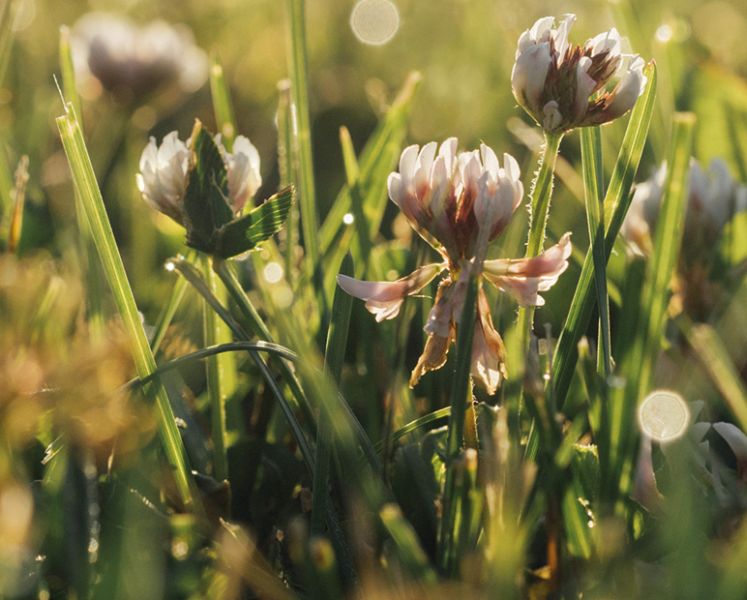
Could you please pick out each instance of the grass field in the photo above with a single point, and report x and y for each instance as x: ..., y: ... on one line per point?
x: 261, y: 337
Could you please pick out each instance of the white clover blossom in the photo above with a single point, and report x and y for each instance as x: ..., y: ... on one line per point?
x: 122, y: 55
x: 242, y: 166
x: 164, y: 173
x: 459, y: 202
x: 713, y: 198
x: 562, y: 85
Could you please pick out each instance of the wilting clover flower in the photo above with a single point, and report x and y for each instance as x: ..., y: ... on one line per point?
x: 713, y: 198
x: 123, y: 56
x: 459, y: 203
x: 164, y: 173
x: 562, y: 85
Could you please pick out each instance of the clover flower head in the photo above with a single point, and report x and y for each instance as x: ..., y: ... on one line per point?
x: 164, y: 173
x: 124, y: 56
x: 563, y: 85
x: 459, y: 202
x: 713, y: 197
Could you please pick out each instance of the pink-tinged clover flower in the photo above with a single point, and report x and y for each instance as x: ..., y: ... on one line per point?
x: 164, y: 173
x: 459, y: 202
x: 562, y: 85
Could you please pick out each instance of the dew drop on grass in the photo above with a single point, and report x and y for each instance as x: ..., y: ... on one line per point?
x: 273, y: 272
x: 348, y: 219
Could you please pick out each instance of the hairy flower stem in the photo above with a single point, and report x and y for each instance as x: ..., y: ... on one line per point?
x: 539, y: 211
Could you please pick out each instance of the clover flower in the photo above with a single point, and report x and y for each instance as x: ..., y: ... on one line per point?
x: 123, y: 56
x: 459, y: 202
x: 562, y: 85
x: 713, y: 198
x: 164, y: 173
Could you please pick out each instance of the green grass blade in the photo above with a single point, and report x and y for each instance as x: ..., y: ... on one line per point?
x: 591, y: 157
x: 195, y: 279
x: 637, y: 366
x: 167, y: 313
x: 667, y: 243
x: 715, y: 358
x: 215, y: 350
x: 222, y: 105
x: 219, y: 382
x: 378, y: 157
x: 106, y: 245
x: 258, y: 327
x: 616, y: 203
x: 7, y: 14
x: 334, y: 356
x: 94, y: 278
x: 305, y: 185
x: 460, y: 400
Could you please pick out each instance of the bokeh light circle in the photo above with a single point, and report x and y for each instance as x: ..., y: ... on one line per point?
x: 374, y: 22
x: 663, y: 415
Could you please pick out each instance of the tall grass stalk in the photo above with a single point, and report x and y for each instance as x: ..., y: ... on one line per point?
x: 93, y: 205
x: 305, y: 186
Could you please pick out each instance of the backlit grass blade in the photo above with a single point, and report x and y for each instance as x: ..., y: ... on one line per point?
x: 616, y: 203
x: 94, y: 278
x: 220, y: 372
x: 334, y: 356
x: 7, y: 14
x: 192, y: 275
x: 591, y: 157
x: 713, y: 355
x: 363, y: 480
x: 222, y: 105
x: 93, y: 205
x: 667, y: 243
x: 209, y: 351
x: 637, y: 366
x: 298, y: 69
x: 167, y: 313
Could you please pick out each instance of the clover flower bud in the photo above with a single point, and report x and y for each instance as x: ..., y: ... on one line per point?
x: 562, y: 85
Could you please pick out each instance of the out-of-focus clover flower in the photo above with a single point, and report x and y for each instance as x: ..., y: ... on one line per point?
x: 713, y: 198
x: 562, y: 85
x: 459, y: 203
x: 123, y: 56
x: 164, y: 173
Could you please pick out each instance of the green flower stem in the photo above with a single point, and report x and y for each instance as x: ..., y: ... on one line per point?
x: 540, y: 209
x: 461, y: 394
